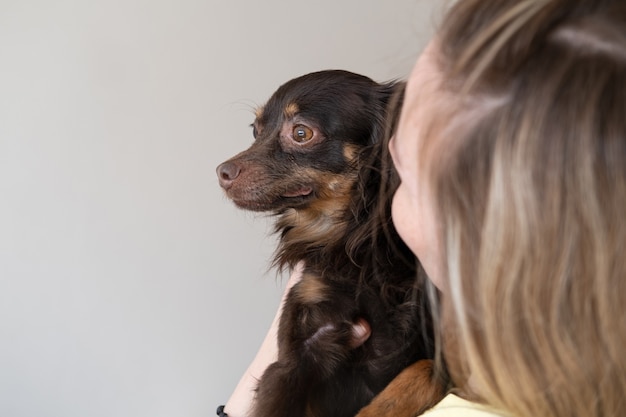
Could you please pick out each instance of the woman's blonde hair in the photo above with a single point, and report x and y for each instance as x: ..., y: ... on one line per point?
x: 532, y: 201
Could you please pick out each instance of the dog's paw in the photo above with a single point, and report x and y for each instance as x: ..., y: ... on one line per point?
x: 361, y: 331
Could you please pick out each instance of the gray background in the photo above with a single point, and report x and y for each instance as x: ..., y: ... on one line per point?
x: 129, y: 286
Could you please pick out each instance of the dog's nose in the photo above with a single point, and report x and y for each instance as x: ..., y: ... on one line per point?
x: 227, y: 173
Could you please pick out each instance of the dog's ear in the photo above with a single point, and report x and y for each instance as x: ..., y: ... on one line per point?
x: 389, y: 177
x: 376, y: 238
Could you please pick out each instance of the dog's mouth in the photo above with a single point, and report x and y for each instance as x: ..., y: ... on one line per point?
x: 298, y: 192
x: 258, y: 199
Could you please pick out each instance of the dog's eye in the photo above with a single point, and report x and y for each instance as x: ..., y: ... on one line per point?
x: 255, y: 132
x: 302, y: 133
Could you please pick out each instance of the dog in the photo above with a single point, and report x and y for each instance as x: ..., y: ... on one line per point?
x: 319, y: 163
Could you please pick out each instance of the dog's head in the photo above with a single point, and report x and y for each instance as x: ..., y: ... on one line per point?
x: 308, y: 140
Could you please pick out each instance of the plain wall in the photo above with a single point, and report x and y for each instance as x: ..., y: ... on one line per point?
x: 129, y: 285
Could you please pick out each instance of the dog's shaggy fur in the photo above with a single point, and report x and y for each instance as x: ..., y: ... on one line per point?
x: 319, y: 162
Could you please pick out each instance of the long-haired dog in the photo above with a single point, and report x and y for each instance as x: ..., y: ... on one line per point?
x: 319, y: 163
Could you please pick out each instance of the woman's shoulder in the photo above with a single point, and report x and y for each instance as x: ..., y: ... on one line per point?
x: 454, y: 406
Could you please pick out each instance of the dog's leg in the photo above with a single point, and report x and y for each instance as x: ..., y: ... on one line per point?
x: 315, y: 339
x: 409, y: 394
x: 280, y: 393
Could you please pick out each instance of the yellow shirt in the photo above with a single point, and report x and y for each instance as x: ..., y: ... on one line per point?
x: 453, y: 406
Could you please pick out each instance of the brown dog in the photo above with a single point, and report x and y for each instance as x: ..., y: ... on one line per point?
x: 320, y: 164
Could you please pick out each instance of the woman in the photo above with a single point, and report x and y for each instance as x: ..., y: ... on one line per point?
x: 511, y: 148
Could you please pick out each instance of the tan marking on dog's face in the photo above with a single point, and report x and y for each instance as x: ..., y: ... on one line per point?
x: 329, y: 186
x: 259, y: 112
x: 337, y: 188
x: 311, y: 290
x: 291, y: 110
x: 350, y: 152
x: 323, y: 220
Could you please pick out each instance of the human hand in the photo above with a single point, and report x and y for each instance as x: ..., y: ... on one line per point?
x: 240, y: 401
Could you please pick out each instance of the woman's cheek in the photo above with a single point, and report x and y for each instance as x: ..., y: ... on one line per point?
x: 404, y: 218
x: 417, y: 226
